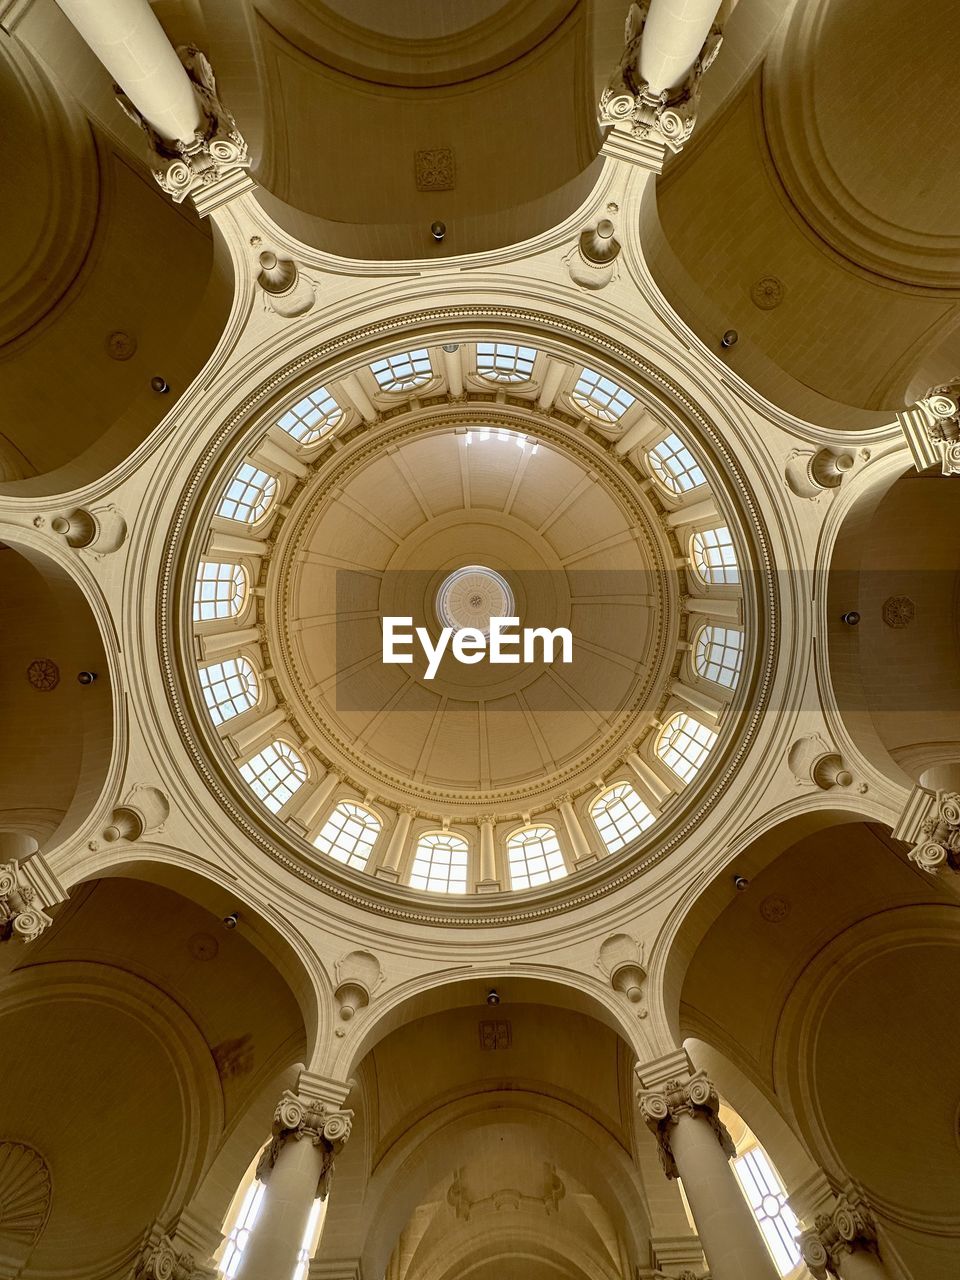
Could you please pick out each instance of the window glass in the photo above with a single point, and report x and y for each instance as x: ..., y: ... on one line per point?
x: 275, y: 774
x: 675, y: 466
x: 349, y: 834
x: 240, y: 1233
x: 601, y: 396
x: 404, y: 371
x: 504, y: 361
x: 534, y: 857
x: 719, y: 654
x: 229, y: 688
x: 768, y: 1200
x: 684, y: 744
x: 714, y: 556
x: 311, y: 417
x: 248, y: 495
x: 620, y: 816
x: 220, y: 591
x: 440, y: 864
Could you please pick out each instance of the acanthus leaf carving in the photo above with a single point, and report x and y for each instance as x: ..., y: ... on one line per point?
x: 21, y: 915
x: 661, y: 1108
x: 938, y: 848
x: 297, y: 1119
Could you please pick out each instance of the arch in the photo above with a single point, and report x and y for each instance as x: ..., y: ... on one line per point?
x: 59, y: 740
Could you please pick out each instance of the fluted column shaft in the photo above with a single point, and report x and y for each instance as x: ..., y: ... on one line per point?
x: 680, y: 1106
x: 309, y: 1129
x: 127, y: 38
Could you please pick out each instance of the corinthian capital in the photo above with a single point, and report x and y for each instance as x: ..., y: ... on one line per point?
x: 661, y: 1108
x: 938, y: 848
x: 848, y: 1229
x: 161, y: 1260
x: 21, y: 915
x: 668, y: 115
x: 932, y: 428
x: 209, y: 166
x: 298, y: 1119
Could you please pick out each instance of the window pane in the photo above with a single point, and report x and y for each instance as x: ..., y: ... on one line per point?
x: 440, y: 864
x: 767, y: 1199
x: 229, y: 688
x: 311, y: 417
x: 404, y: 371
x: 719, y: 655
x: 275, y: 774
x: 714, y: 557
x: 220, y: 591
x: 349, y: 834
x: 684, y: 744
x: 248, y: 495
x: 601, y: 396
x: 675, y: 466
x: 620, y: 816
x: 534, y: 857
x: 504, y: 361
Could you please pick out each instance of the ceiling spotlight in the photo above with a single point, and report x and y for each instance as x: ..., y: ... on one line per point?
x: 160, y: 385
x: 438, y: 230
x: 740, y: 883
x: 730, y: 338
x: 493, y: 996
x: 86, y: 677
x: 451, y: 347
x: 851, y: 617
x: 232, y: 920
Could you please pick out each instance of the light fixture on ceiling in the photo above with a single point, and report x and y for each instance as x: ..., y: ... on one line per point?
x: 438, y: 230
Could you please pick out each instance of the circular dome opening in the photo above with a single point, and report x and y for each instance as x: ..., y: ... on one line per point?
x: 472, y: 596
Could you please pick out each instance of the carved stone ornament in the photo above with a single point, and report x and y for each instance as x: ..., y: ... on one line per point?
x: 20, y: 915
x: 25, y: 1196
x: 161, y: 1260
x: 297, y: 1119
x: 848, y: 1229
x: 939, y: 845
x: 932, y: 428
x: 628, y: 100
x: 661, y: 1108
x: 767, y: 293
x: 43, y: 674
x: 898, y: 611
x: 188, y: 165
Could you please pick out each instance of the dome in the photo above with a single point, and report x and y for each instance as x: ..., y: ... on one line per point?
x: 377, y: 508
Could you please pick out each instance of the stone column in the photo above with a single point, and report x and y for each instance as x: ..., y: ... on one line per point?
x: 842, y: 1244
x: 389, y: 868
x: 309, y: 1130
x: 197, y: 150
x: 932, y: 428
x: 582, y: 852
x: 161, y: 1259
x: 679, y: 1105
x: 488, y: 882
x: 25, y: 889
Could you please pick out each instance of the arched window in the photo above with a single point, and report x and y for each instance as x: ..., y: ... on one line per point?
x: 684, y: 744
x: 768, y: 1200
x: 440, y: 864
x: 714, y: 555
x: 236, y: 1241
x: 719, y: 654
x: 229, y: 688
x: 675, y: 466
x: 404, y: 371
x: 620, y: 816
x: 534, y: 857
x: 504, y: 361
x: 311, y: 1238
x: 349, y: 834
x: 601, y: 396
x: 220, y: 591
x: 248, y: 495
x: 275, y: 774
x: 313, y: 416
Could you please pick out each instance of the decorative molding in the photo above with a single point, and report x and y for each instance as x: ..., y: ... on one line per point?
x: 767, y: 293
x: 662, y: 1107
x: 849, y: 1228
x: 311, y: 1119
x: 25, y: 1197
x: 932, y: 428
x: 463, y: 1206
x: 938, y: 847
x: 435, y: 169
x: 43, y: 674
x: 209, y: 167
x: 898, y: 611
x: 629, y: 103
x: 21, y: 903
x: 358, y: 975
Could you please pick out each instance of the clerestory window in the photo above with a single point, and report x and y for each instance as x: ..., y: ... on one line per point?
x: 229, y: 688
x: 505, y: 361
x: 404, y: 371
x: 440, y: 863
x: 349, y: 834
x: 684, y: 744
x: 719, y: 654
x: 714, y: 556
x: 675, y: 466
x: 248, y: 495
x: 534, y: 857
x: 312, y: 417
x: 620, y: 816
x: 220, y: 591
x: 601, y: 396
x: 275, y: 774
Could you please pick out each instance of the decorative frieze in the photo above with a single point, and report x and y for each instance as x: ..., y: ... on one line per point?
x: 209, y: 166
x: 932, y: 428
x: 299, y: 1119
x: 662, y: 1108
x: 668, y: 115
x: 848, y: 1229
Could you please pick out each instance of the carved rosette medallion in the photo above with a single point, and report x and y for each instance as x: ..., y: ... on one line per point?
x: 939, y: 846
x: 898, y: 611
x: 662, y: 1108
x: 299, y: 1119
x: 848, y: 1229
